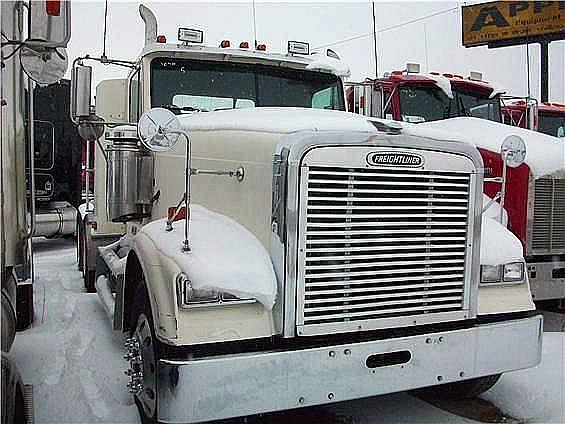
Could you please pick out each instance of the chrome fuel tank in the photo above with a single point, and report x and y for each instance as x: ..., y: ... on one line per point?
x: 129, y: 177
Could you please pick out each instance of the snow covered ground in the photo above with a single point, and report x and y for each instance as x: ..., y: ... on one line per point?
x: 74, y: 360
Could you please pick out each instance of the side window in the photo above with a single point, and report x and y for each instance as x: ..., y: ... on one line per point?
x: 376, y: 102
x: 325, y: 99
x: 134, y: 107
x: 387, y: 106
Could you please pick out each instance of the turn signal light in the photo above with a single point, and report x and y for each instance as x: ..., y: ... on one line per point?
x: 448, y: 75
x: 396, y: 73
x: 244, y: 45
x: 224, y: 44
x: 261, y: 47
x: 161, y: 39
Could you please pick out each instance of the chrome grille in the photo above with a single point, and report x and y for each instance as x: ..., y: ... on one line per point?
x: 381, y: 243
x: 548, y: 233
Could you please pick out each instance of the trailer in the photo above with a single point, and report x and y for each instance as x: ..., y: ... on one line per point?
x: 533, y: 200
x: 279, y: 252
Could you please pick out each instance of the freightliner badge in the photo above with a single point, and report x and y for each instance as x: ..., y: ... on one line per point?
x: 394, y: 159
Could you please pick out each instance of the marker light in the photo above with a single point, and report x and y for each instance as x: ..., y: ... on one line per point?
x: 244, y: 45
x: 396, y: 73
x: 448, y: 75
x: 189, y: 35
x: 224, y: 44
x: 53, y: 7
x: 261, y: 47
x: 161, y: 39
x: 298, y: 47
x: 413, y: 68
x: 331, y: 53
x: 434, y: 73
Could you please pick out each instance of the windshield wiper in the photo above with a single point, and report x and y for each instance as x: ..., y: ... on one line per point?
x: 178, y: 110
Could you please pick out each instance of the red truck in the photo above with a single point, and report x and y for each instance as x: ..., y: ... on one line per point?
x: 548, y: 118
x: 534, y: 203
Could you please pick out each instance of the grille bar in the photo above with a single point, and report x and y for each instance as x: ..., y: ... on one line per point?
x: 381, y: 243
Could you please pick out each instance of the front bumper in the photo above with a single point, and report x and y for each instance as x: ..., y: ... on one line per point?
x: 547, y: 280
x: 245, y: 384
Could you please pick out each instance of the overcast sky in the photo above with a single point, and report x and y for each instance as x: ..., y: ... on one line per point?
x: 434, y: 42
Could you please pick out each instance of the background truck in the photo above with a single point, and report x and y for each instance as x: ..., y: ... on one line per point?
x: 34, y: 37
x: 280, y: 253
x: 533, y: 200
x: 549, y: 118
x: 57, y: 160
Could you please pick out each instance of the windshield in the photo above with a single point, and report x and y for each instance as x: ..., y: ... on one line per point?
x: 422, y: 104
x: 552, y: 124
x: 188, y: 85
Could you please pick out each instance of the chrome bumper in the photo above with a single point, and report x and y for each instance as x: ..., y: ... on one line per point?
x: 543, y: 283
x: 245, y: 384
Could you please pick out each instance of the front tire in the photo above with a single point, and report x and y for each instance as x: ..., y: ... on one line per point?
x: 150, y: 351
x: 462, y: 389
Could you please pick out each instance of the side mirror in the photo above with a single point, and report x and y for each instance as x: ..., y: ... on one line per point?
x: 513, y: 151
x: 81, y: 79
x: 49, y: 23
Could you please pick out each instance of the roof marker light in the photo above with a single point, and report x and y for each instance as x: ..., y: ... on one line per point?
x: 161, y: 39
x: 224, y: 44
x: 458, y: 76
x: 53, y: 7
x: 261, y: 47
x: 244, y: 45
x: 413, y: 68
x: 332, y: 54
x: 396, y: 73
x: 475, y: 76
x: 298, y: 47
x: 446, y: 75
x: 189, y: 35
x: 434, y: 73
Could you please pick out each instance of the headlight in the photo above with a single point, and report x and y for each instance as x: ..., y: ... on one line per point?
x: 190, y: 297
x: 508, y: 273
x: 491, y: 273
x: 513, y: 272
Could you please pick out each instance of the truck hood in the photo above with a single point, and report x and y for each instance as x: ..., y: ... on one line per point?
x: 545, y: 154
x: 276, y: 120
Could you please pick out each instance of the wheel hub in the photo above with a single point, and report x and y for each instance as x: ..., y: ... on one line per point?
x: 142, y: 368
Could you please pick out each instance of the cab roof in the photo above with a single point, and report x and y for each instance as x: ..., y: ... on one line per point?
x: 317, y: 61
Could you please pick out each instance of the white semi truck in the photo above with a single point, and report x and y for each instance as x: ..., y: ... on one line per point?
x: 326, y: 256
x: 34, y: 37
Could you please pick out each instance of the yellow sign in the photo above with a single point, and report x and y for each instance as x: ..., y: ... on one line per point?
x: 506, y: 20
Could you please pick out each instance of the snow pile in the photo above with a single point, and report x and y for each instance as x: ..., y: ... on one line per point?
x: 115, y: 254
x: 225, y: 256
x: 544, y: 154
x: 493, y: 236
x: 535, y: 395
x: 276, y: 120
x: 443, y: 83
x: 322, y: 62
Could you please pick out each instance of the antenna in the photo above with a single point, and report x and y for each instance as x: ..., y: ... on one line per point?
x: 105, y: 27
x: 254, y: 24
x: 375, y: 41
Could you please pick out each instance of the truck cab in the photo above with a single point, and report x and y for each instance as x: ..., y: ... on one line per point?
x: 549, y: 118
x: 279, y: 252
x: 427, y: 99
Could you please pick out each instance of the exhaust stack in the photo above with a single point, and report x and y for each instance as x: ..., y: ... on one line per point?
x: 150, y: 24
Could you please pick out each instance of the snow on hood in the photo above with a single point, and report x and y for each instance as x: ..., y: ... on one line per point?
x: 324, y: 63
x: 493, y: 210
x: 225, y: 256
x: 544, y: 154
x: 494, y: 235
x: 276, y: 120
x: 443, y: 83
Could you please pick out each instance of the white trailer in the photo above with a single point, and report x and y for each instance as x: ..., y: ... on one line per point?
x: 326, y: 256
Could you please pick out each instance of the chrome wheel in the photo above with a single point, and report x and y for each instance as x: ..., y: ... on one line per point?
x: 142, y: 371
